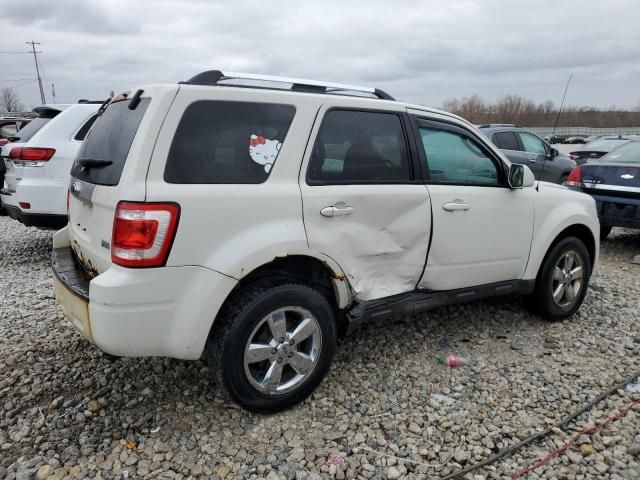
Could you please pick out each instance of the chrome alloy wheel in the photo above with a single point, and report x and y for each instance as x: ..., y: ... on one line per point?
x: 567, y: 279
x: 283, y: 350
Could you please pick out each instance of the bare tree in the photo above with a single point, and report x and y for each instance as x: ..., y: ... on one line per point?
x: 9, y: 101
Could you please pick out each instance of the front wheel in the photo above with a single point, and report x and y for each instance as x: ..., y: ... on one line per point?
x: 273, y: 346
x: 563, y: 280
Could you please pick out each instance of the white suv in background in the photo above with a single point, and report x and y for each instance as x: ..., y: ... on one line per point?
x: 39, y: 160
x: 255, y: 219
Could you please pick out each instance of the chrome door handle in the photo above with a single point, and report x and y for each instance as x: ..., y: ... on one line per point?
x: 453, y: 206
x: 334, y: 211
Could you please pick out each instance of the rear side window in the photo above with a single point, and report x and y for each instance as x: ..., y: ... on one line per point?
x: 85, y: 128
x: 359, y: 147
x: 110, y: 139
x: 227, y: 142
x: 506, y: 140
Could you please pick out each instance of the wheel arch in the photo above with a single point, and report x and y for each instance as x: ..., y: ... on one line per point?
x: 578, y: 230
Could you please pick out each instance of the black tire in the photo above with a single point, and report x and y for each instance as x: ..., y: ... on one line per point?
x: 605, y: 230
x: 563, y: 179
x: 234, y: 328
x: 542, y: 300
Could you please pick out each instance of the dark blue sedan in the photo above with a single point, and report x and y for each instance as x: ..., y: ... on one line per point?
x: 614, y: 182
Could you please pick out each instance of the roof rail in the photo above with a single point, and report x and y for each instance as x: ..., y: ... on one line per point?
x: 91, y: 102
x: 214, y: 77
x: 494, y: 125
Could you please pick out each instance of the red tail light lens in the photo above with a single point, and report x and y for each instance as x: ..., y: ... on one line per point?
x: 143, y: 233
x: 25, y: 205
x: 575, y: 177
x: 28, y: 154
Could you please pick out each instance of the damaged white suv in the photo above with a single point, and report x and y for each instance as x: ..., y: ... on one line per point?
x: 255, y: 219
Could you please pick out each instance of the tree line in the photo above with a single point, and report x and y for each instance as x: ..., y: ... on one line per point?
x: 522, y: 111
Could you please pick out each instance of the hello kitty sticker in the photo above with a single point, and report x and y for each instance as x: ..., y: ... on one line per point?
x: 264, y: 151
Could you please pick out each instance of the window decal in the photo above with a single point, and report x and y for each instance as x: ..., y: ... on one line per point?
x: 264, y: 151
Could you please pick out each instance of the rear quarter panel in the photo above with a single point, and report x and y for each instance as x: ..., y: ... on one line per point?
x: 235, y: 228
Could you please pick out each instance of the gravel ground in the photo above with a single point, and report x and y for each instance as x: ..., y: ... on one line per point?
x: 66, y: 412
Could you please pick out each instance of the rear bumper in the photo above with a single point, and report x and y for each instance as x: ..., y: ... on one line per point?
x: 43, y: 220
x: 140, y: 312
x: 618, y: 212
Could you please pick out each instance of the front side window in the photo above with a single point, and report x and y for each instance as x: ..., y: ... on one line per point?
x: 506, y: 141
x: 220, y: 142
x: 359, y: 147
x: 532, y: 143
x: 455, y: 158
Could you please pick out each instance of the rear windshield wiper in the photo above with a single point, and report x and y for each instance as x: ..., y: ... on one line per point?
x: 94, y: 162
x: 13, y: 139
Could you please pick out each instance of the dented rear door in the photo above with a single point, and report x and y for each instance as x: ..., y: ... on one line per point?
x: 362, y: 203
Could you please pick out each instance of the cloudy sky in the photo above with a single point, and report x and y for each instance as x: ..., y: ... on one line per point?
x: 419, y: 51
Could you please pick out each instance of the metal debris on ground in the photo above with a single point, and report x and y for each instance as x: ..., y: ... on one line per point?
x: 155, y: 430
x: 335, y: 459
x: 633, y: 388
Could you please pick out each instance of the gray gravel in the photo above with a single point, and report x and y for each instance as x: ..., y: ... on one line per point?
x: 66, y: 412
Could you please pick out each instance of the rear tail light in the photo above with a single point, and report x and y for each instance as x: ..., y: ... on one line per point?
x: 143, y: 233
x: 574, y: 157
x: 31, y: 155
x: 25, y: 205
x: 575, y: 177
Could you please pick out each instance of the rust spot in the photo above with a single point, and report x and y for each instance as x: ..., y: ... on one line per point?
x: 85, y: 264
x: 336, y: 276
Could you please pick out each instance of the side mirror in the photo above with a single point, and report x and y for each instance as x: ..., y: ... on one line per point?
x: 554, y: 153
x: 520, y: 176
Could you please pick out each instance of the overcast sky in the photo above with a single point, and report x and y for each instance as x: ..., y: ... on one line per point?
x: 419, y: 51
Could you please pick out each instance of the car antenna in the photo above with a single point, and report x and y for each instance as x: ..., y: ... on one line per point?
x: 554, y: 128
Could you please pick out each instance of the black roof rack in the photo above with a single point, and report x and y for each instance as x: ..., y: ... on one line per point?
x: 214, y: 77
x: 497, y: 125
x: 94, y: 102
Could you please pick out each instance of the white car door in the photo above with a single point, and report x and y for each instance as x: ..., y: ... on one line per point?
x: 482, y: 229
x: 363, y: 203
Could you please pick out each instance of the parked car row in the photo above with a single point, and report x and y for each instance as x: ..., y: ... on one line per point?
x: 256, y: 219
x: 38, y: 161
x: 599, y: 147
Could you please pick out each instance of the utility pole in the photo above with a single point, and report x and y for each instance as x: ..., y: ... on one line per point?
x: 35, y: 58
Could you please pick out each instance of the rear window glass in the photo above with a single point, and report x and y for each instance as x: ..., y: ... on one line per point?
x: 33, y: 127
x: 110, y: 139
x: 227, y: 142
x: 629, y: 153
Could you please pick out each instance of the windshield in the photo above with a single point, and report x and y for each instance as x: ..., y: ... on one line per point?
x: 629, y: 153
x: 605, y: 144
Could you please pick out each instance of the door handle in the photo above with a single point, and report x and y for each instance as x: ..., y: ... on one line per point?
x: 334, y: 211
x: 532, y: 160
x: 453, y: 206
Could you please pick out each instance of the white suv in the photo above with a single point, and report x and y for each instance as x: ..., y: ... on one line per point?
x: 39, y: 160
x: 256, y: 222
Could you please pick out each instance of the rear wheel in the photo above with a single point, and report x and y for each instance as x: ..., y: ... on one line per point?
x: 605, y: 230
x: 563, y: 280
x: 273, y: 346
